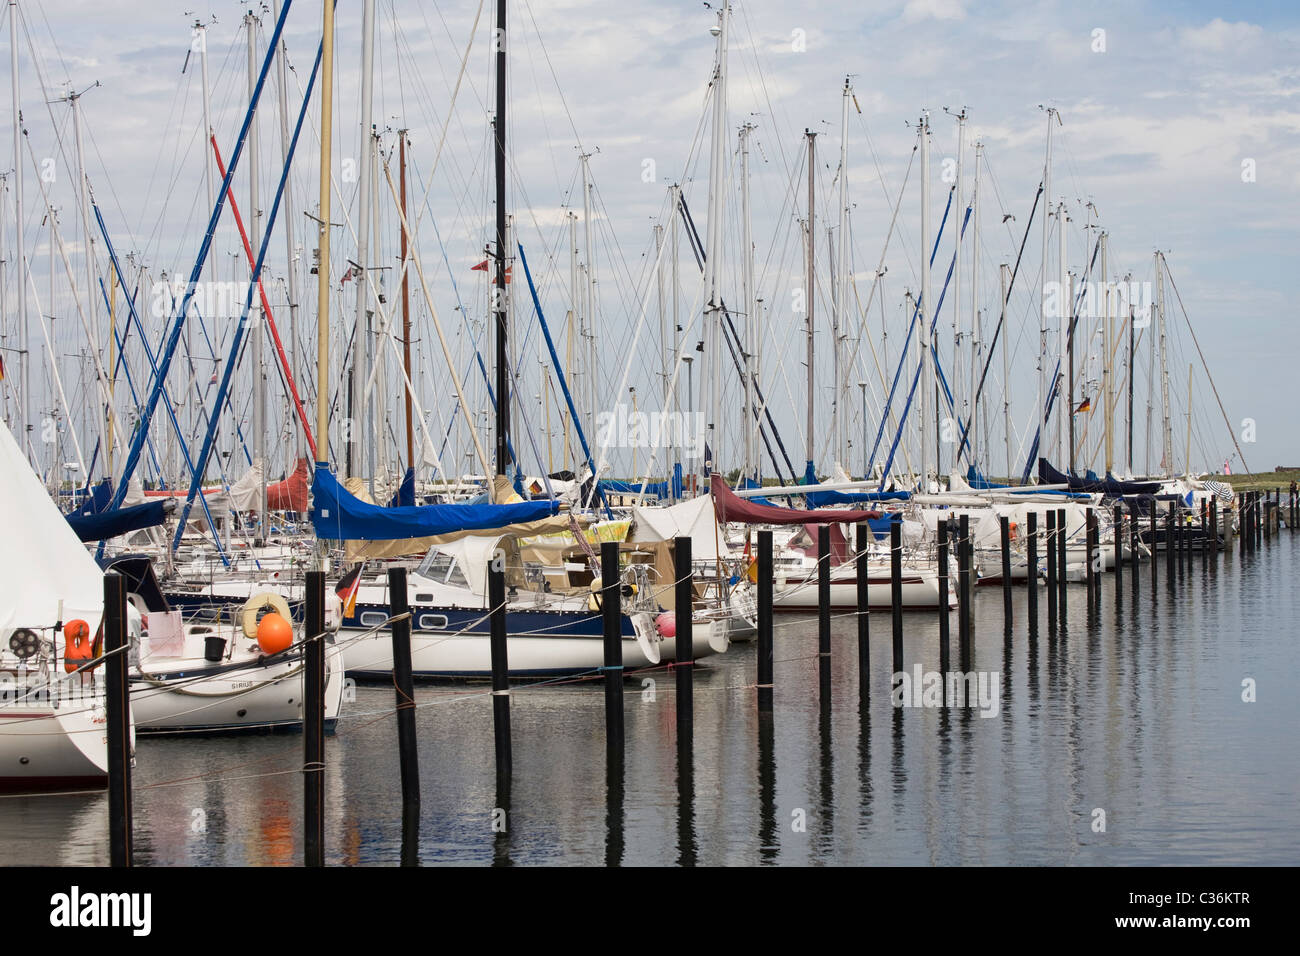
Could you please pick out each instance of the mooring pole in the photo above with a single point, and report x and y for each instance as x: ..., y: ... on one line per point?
x: 1004, y: 530
x: 1090, y: 546
x: 1060, y: 561
x: 500, y: 668
x: 117, y: 700
x: 896, y: 591
x: 765, y: 621
x: 404, y: 685
x: 1052, y: 590
x: 964, y: 571
x: 612, y: 612
x: 1031, y: 558
x: 824, y: 611
x: 313, y: 723
x: 862, y: 575
x: 685, y: 665
x: 945, y: 663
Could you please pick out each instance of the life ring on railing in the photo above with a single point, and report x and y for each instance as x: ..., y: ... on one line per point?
x: 76, y: 645
x: 262, y: 600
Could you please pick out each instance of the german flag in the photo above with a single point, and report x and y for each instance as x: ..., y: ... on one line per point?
x: 1084, y: 406
x: 347, y: 589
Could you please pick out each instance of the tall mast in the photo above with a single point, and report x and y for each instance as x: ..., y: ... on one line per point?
x: 200, y: 38
x: 675, y: 191
x: 973, y: 421
x: 20, y: 252
x: 960, y: 209
x: 751, y: 312
x: 1167, y: 463
x: 1188, y: 470
x: 323, y: 234
x: 1042, y: 300
x: 258, y: 320
x: 1107, y: 373
x: 1151, y: 371
x: 1003, y: 272
x: 499, y: 293
x: 710, y: 367
x: 286, y: 200
x: 574, y: 322
x: 1064, y: 409
x: 842, y: 285
x: 927, y: 306
x: 811, y: 297
x: 589, y: 306
x: 92, y: 305
x: 359, y: 373
x: 1131, y: 373
x: 406, y: 311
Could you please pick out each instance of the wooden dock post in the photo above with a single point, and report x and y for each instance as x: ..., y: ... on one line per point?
x: 612, y: 620
x: 765, y: 620
x: 1004, y: 532
x: 404, y: 686
x: 965, y: 572
x: 896, y: 591
x: 313, y: 723
x: 824, y: 611
x: 500, y: 668
x: 1134, y: 538
x: 1090, y: 547
x: 1155, y: 532
x: 862, y: 574
x: 685, y: 666
x: 1031, y: 558
x: 945, y: 660
x: 1212, y: 542
x: 1061, y: 578
x: 117, y: 701
x: 1052, y: 571
x: 1170, y: 542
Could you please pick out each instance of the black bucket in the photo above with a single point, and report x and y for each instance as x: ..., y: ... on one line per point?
x: 214, y: 648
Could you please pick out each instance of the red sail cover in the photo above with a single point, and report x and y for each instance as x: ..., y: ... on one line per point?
x: 728, y: 507
x: 290, y: 494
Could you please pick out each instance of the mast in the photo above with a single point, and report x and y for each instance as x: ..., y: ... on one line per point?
x: 574, y: 301
x: 589, y: 307
x: 926, y: 307
x: 1132, y: 336
x: 974, y: 306
x: 960, y: 210
x: 811, y: 297
x: 710, y: 367
x: 1107, y: 373
x: 751, y: 312
x: 1003, y: 272
x: 256, y: 316
x: 1042, y: 309
x: 1188, y: 472
x: 20, y: 252
x: 406, y: 309
x: 1167, y: 463
x: 499, y: 293
x: 1065, y: 409
x: 323, y: 238
x: 286, y: 200
x: 362, y: 333
x: 675, y: 191
x: 201, y: 38
x: 841, y: 287
x: 1151, y: 374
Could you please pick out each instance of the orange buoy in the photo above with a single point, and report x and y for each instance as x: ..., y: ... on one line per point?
x: 76, y: 645
x: 274, y: 634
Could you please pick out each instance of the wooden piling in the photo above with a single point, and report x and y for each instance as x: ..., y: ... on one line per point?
x: 404, y: 686
x: 896, y: 591
x: 1031, y: 559
x: 1091, y: 554
x: 1052, y: 590
x: 685, y: 666
x: 945, y: 661
x: 117, y: 700
x: 824, y: 610
x: 500, y: 667
x: 965, y: 572
x: 862, y: 574
x: 1061, y: 578
x: 1004, y: 531
x: 1170, y: 556
x: 612, y: 620
x: 313, y: 722
x: 1212, y: 542
x: 765, y: 620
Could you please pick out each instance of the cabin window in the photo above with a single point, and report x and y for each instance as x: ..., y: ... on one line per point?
x: 435, y: 565
x: 423, y: 597
x: 457, y: 576
x: 432, y: 622
x: 373, y: 618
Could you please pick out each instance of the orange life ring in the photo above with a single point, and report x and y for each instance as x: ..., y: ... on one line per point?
x: 76, y: 645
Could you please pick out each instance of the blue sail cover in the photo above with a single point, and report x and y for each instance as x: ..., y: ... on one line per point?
x: 111, y: 523
x: 96, y: 501
x: 979, y: 482
x: 653, y: 489
x: 405, y: 496
x: 1108, y: 486
x: 339, y: 516
x: 820, y: 499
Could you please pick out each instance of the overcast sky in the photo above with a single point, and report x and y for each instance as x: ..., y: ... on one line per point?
x: 1180, y: 125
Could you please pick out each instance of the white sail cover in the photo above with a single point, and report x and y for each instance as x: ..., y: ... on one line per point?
x: 41, y: 560
x: 691, y: 519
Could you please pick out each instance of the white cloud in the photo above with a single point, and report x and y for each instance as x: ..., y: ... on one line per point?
x: 915, y: 10
x: 1218, y: 36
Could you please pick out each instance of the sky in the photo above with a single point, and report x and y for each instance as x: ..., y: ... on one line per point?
x: 1179, y: 131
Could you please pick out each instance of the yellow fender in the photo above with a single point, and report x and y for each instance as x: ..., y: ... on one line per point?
x: 259, y: 601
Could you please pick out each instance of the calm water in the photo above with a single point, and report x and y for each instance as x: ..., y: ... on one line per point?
x: 1137, y: 711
